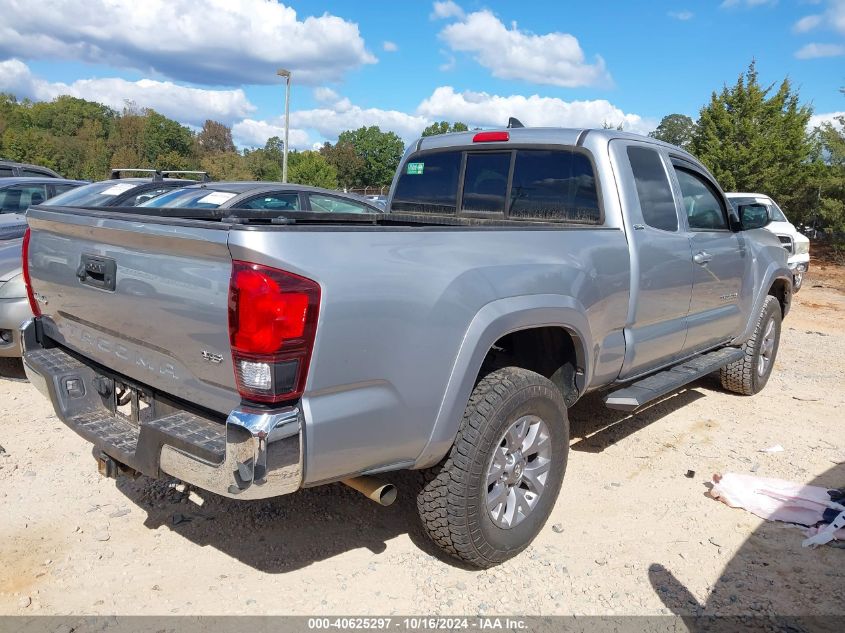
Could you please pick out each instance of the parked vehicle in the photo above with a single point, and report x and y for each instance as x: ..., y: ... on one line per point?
x: 795, y: 243
x: 379, y: 201
x: 11, y: 168
x: 18, y: 193
x: 125, y: 192
x: 14, y: 306
x: 265, y: 196
x: 516, y: 270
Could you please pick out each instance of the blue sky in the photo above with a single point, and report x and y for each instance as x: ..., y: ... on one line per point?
x: 401, y: 65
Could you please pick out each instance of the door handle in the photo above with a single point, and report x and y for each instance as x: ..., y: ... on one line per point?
x: 702, y: 257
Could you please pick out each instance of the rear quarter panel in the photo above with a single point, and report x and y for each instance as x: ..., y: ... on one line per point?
x: 399, y: 306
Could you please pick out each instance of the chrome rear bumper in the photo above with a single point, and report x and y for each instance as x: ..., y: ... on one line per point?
x: 263, y: 457
x: 255, y: 454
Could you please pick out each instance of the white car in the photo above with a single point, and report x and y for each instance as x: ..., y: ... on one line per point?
x: 795, y: 243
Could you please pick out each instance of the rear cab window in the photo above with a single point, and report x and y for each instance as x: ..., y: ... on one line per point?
x: 525, y: 184
x: 96, y: 194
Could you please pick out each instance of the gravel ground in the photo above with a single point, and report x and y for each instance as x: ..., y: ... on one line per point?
x: 630, y: 534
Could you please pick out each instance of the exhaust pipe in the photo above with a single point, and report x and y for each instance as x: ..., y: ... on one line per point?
x: 379, y: 491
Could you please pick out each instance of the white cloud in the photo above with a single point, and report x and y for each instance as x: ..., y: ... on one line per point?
x: 331, y: 121
x: 252, y: 133
x: 683, y: 16
x: 390, y: 47
x: 476, y: 109
x: 186, y: 105
x: 449, y: 64
x: 825, y: 117
x: 483, y: 109
x: 832, y: 18
x: 447, y: 9
x: 814, y: 50
x: 200, y: 41
x: 554, y: 58
x: 325, y: 95
x: 807, y: 23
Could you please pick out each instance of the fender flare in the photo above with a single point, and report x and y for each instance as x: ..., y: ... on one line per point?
x: 774, y: 272
x: 493, y: 321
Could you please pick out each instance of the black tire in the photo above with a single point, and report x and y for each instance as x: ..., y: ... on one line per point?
x: 453, y: 502
x: 744, y: 376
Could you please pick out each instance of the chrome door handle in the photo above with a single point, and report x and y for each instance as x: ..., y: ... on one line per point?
x: 702, y: 257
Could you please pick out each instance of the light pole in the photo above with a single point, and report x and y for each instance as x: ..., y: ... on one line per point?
x: 286, y: 74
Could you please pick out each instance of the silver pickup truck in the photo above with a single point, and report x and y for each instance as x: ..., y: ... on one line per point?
x: 516, y: 270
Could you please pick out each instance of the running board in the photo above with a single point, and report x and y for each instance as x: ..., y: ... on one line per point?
x: 657, y: 385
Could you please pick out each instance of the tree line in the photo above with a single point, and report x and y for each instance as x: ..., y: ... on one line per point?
x: 752, y: 137
x: 84, y: 139
x: 757, y: 138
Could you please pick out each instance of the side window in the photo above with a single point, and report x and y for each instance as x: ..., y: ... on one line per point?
x: 705, y: 211
x: 653, y: 189
x: 6, y: 172
x: 18, y: 199
x: 62, y: 188
x: 486, y: 182
x: 429, y: 184
x: 329, y: 204
x: 273, y: 202
x: 37, y: 173
x: 554, y: 185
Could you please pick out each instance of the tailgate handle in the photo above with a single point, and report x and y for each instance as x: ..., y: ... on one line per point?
x: 97, y: 271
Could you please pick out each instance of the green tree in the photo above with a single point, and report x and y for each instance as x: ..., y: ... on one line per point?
x: 266, y: 163
x: 754, y: 138
x: 65, y: 115
x: 444, y: 127
x: 162, y: 135
x: 215, y: 137
x: 830, y: 201
x: 226, y: 166
x: 349, y: 166
x: 677, y: 129
x: 380, y: 151
x: 311, y: 168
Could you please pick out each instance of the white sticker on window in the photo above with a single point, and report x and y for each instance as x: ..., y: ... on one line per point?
x: 119, y: 188
x: 216, y: 197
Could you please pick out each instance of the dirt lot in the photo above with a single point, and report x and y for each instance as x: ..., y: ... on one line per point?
x: 630, y: 533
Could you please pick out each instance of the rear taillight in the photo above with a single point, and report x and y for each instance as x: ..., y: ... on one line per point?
x: 33, y: 304
x: 272, y: 323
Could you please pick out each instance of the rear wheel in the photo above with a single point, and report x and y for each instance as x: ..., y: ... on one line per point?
x: 751, y: 373
x: 492, y: 495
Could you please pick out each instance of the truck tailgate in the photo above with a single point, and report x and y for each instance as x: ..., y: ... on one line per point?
x: 145, y: 299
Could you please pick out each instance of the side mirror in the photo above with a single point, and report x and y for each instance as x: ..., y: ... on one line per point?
x: 753, y: 216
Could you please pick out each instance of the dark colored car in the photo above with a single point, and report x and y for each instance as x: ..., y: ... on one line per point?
x: 11, y: 168
x: 267, y: 196
x: 125, y: 192
x: 17, y: 194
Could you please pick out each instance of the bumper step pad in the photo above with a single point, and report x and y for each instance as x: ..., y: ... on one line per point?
x: 135, y: 445
x: 256, y: 454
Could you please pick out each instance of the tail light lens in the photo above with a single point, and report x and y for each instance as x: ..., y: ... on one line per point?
x: 272, y: 324
x: 491, y: 137
x: 33, y: 304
